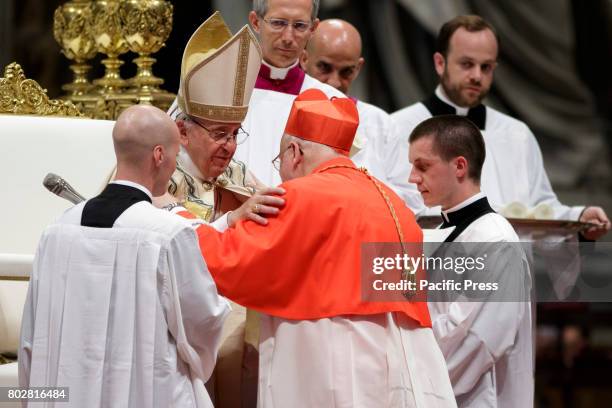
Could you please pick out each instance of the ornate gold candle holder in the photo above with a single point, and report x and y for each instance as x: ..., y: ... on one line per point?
x: 109, y: 40
x: 146, y: 24
x: 72, y: 30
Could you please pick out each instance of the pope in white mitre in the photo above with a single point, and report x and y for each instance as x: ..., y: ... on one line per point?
x: 218, y: 73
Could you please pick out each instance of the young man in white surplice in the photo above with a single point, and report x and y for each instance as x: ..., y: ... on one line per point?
x: 486, y: 344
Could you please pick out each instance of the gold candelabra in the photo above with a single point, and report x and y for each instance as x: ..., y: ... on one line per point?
x: 72, y: 30
x: 109, y: 40
x: 146, y: 24
x: 112, y: 27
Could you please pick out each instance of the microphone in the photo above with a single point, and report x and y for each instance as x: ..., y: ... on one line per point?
x: 61, y: 188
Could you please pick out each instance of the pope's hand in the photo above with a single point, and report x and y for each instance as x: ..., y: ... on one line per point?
x: 597, y: 216
x: 264, y: 203
x: 164, y: 200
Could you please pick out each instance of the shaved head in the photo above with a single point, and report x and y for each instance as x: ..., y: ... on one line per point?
x: 138, y: 129
x: 146, y: 143
x: 333, y: 54
x: 336, y: 35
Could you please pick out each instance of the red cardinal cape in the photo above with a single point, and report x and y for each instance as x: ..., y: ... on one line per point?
x: 306, y: 263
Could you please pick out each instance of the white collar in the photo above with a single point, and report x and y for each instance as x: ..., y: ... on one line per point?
x: 133, y: 184
x: 461, y: 111
x: 463, y: 204
x: 186, y: 163
x: 279, y: 73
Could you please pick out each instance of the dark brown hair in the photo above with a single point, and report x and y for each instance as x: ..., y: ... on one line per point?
x: 471, y: 23
x: 454, y: 136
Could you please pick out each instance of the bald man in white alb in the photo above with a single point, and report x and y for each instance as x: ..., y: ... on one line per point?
x: 121, y: 308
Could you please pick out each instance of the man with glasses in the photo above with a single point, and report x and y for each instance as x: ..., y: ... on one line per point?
x: 211, y: 103
x: 208, y: 114
x: 207, y: 179
x: 322, y: 344
x: 284, y: 28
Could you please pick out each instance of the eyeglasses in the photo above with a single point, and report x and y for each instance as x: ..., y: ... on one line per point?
x: 276, y: 160
x: 279, y: 24
x: 222, y: 137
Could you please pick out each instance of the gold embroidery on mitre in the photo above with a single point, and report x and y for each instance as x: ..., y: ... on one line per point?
x: 242, y: 63
x: 212, y: 40
x: 232, y: 114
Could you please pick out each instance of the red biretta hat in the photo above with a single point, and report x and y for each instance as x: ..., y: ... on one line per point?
x: 330, y: 122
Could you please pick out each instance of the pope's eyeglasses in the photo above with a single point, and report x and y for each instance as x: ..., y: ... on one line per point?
x: 222, y: 137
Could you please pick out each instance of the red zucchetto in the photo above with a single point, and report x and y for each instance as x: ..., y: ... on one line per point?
x: 316, y: 118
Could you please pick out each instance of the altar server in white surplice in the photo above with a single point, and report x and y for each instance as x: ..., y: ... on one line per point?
x: 121, y: 307
x: 465, y: 61
x: 487, y: 344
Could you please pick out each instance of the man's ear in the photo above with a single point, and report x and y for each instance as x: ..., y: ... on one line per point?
x: 461, y: 165
x: 494, y: 66
x: 298, y: 157
x: 182, y: 127
x: 304, y: 59
x: 308, y: 34
x: 360, y: 63
x: 254, y: 20
x: 159, y: 155
x: 315, y: 25
x: 439, y: 63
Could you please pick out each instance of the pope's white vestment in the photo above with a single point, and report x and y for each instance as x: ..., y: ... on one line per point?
x: 488, y: 345
x: 127, y: 316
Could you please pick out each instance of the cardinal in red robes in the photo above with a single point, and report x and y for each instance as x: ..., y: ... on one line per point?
x: 324, y: 340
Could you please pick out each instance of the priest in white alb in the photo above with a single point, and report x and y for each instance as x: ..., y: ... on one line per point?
x: 121, y: 308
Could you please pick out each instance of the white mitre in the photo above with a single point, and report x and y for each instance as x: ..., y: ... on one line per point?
x: 218, y: 72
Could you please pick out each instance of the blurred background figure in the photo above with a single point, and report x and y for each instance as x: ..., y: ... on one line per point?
x: 333, y: 54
